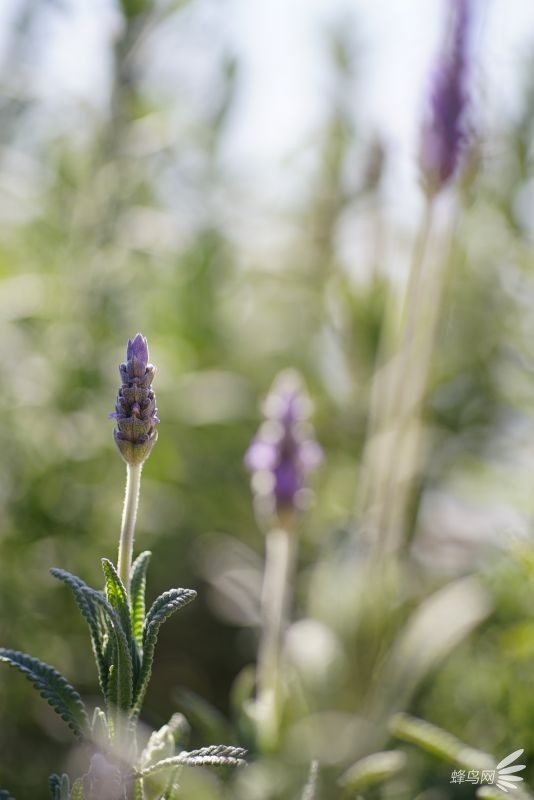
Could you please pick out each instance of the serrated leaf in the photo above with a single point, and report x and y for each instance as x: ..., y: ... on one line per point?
x: 53, y: 687
x: 218, y: 755
x: 137, y: 594
x: 116, y: 595
x: 100, y: 639
x: 162, y: 745
x: 118, y: 599
x: 162, y: 608
x: 120, y: 676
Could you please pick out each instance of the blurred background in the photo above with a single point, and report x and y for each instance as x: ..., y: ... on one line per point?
x: 239, y: 181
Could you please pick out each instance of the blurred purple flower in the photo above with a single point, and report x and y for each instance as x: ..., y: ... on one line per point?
x: 444, y: 130
x: 284, y: 450
x: 135, y: 410
x: 103, y: 781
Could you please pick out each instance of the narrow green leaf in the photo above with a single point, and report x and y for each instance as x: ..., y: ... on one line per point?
x: 137, y: 594
x: 373, y: 769
x: 55, y: 689
x: 116, y: 595
x: 162, y: 608
x: 439, y: 742
x: 120, y: 675
x: 118, y: 599
x: 97, y: 625
x: 218, y: 755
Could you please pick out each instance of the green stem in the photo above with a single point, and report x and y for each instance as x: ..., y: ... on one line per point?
x: 129, y: 515
x: 279, y: 561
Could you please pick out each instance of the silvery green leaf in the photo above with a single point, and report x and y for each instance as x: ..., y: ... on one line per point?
x: 118, y: 600
x: 100, y: 639
x: 53, y: 687
x: 162, y: 745
x: 161, y: 609
x: 137, y: 594
x: 218, y: 755
x: 120, y: 675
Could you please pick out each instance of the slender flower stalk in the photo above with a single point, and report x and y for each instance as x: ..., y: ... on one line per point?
x: 135, y: 435
x: 280, y: 553
x: 280, y: 457
x: 129, y: 516
x: 395, y: 438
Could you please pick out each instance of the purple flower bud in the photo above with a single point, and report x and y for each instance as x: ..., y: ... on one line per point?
x: 135, y: 410
x: 444, y: 130
x: 284, y: 450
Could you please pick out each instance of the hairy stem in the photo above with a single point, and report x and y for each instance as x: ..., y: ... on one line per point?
x: 129, y: 516
x: 279, y: 563
x: 394, y: 399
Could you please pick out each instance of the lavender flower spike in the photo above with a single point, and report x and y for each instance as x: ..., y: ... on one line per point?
x: 284, y: 451
x: 135, y: 410
x: 444, y: 130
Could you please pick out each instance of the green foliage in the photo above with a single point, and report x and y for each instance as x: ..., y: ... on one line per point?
x: 439, y: 742
x: 53, y: 687
x: 120, y: 681
x: 137, y: 594
x: 162, y: 745
x: 96, y: 242
x: 93, y: 615
x: 116, y: 595
x: 162, y: 608
x: 213, y: 756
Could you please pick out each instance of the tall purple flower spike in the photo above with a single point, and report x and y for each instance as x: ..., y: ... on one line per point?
x: 284, y: 451
x: 444, y: 130
x: 135, y: 410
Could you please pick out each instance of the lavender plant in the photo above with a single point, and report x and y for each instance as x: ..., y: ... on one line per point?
x: 123, y: 637
x: 280, y: 457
